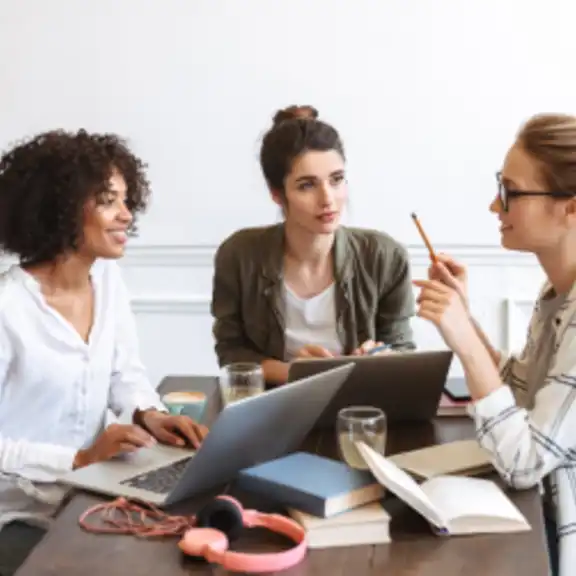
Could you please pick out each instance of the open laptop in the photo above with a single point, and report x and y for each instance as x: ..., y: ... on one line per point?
x: 245, y: 433
x: 407, y: 385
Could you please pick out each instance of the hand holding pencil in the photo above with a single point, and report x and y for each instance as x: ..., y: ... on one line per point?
x: 431, y: 252
x: 444, y: 268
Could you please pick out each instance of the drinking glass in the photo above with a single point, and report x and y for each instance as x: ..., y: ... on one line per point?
x: 241, y: 380
x: 360, y: 424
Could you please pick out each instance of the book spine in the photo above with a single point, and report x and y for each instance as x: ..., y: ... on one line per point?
x: 285, y: 495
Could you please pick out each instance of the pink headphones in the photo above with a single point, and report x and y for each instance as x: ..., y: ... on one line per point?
x: 222, y: 520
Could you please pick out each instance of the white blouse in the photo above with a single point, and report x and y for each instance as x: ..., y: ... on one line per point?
x: 55, y: 389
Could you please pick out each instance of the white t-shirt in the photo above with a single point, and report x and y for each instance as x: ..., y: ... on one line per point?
x: 311, y: 321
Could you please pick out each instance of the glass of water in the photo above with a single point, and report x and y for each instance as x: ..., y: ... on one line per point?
x: 360, y: 424
x: 241, y: 380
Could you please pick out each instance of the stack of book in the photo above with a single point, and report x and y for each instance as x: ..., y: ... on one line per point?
x: 342, y: 506
x: 336, y: 504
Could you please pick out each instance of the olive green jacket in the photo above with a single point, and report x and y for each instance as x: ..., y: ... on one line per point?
x: 374, y: 298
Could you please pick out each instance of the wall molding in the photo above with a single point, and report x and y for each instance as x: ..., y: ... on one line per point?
x: 197, y: 256
x: 202, y: 256
x: 179, y: 305
x: 192, y: 256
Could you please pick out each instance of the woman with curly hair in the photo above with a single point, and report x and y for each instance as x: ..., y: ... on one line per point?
x: 68, y: 345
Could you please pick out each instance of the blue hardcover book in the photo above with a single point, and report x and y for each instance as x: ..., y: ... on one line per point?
x: 319, y: 486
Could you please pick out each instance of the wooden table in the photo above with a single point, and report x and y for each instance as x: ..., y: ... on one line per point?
x: 68, y: 551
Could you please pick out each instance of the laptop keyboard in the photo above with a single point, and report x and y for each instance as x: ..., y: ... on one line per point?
x: 161, y: 480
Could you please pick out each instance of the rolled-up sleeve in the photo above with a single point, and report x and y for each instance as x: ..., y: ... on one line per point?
x: 527, y: 445
x: 35, y: 461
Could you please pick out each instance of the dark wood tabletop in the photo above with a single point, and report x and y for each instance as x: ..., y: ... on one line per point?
x: 415, y: 550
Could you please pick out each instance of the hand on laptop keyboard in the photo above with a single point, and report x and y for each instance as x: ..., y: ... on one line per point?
x: 175, y: 430
x: 313, y: 351
x: 116, y: 439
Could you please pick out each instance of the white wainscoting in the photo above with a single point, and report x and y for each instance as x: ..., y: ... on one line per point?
x: 171, y: 289
x: 518, y: 313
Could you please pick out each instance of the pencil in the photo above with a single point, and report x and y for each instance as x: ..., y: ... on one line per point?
x: 424, y: 237
x: 378, y: 349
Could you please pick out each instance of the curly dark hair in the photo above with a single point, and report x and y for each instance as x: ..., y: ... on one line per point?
x: 295, y: 130
x: 46, y: 181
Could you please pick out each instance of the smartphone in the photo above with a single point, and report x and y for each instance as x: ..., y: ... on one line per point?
x: 457, y: 390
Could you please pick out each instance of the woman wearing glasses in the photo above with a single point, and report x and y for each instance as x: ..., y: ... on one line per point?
x: 524, y: 406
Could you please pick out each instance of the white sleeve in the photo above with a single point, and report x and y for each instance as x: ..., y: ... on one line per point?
x: 130, y: 388
x: 36, y: 461
x: 527, y: 445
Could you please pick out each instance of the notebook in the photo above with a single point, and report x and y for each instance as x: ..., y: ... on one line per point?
x: 450, y: 407
x: 453, y: 505
x: 365, y: 525
x: 311, y: 483
x: 465, y: 457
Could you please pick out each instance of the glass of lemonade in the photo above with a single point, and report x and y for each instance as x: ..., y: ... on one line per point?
x: 241, y: 380
x: 360, y: 424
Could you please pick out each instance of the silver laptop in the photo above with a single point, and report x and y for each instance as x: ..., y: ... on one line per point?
x: 406, y: 385
x: 245, y: 433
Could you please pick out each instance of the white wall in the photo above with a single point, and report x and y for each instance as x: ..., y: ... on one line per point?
x: 427, y: 96
x: 171, y: 289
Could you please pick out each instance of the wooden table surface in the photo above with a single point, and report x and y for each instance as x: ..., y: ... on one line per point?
x: 415, y: 550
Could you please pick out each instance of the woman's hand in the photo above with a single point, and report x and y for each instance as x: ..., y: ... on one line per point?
x: 314, y: 351
x: 452, y: 274
x: 369, y: 347
x: 445, y: 308
x: 174, y: 430
x: 115, y: 440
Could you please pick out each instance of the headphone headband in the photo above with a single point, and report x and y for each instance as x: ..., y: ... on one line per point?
x: 212, y: 543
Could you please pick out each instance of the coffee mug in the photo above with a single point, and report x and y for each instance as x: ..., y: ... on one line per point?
x: 185, y: 403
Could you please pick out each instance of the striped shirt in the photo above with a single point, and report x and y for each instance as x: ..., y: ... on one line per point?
x: 529, y: 425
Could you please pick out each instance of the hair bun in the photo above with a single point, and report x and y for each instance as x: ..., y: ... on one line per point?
x: 295, y: 112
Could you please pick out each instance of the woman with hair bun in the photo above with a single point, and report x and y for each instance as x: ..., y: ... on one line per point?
x: 308, y: 287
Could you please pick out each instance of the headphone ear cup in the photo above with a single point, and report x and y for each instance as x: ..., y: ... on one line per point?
x: 222, y: 515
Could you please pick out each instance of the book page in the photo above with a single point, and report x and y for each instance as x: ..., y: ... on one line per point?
x: 366, y: 514
x: 472, y: 504
x: 401, y: 484
x: 459, y: 457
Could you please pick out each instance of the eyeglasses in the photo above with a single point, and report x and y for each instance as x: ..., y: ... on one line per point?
x: 506, y: 193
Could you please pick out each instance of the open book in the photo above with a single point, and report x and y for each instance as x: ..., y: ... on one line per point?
x: 453, y: 505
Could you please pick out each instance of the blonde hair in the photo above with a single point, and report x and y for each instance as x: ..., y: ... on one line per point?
x: 551, y: 140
